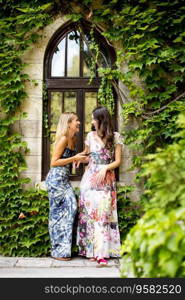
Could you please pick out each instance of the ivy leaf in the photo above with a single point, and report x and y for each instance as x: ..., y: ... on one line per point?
x: 178, y: 39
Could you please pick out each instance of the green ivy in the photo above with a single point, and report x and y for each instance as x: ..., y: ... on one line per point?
x: 105, y: 95
x: 24, y: 223
x: 128, y: 211
x: 24, y: 213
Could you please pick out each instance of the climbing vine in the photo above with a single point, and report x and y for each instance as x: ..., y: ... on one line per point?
x: 23, y: 217
x: 150, y: 40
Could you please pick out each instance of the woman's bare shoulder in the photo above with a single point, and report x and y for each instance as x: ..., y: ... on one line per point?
x: 62, y: 141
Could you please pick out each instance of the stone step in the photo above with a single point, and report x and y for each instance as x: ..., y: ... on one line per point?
x: 30, y: 267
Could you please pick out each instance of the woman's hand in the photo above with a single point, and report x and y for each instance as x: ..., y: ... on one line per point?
x: 100, y: 176
x: 79, y: 157
x: 84, y: 161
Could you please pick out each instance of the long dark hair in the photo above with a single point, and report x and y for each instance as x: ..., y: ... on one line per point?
x: 105, y: 128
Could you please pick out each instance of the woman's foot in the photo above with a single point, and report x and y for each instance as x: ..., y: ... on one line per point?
x: 92, y: 259
x: 62, y: 258
x: 102, y: 262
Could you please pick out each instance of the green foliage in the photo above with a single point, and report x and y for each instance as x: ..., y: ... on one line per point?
x: 128, y: 211
x: 24, y: 222
x: 166, y: 174
x: 152, y: 37
x: 27, y: 236
x: 155, y: 246
x: 105, y: 95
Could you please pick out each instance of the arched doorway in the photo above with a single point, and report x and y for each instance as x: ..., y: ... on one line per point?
x: 67, y: 84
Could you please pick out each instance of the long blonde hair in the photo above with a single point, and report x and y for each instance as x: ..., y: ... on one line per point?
x: 63, y: 125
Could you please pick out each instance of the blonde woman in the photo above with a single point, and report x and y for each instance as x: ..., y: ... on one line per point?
x: 62, y: 199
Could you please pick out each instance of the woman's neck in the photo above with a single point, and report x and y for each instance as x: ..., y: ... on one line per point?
x: 98, y: 134
x: 71, y: 134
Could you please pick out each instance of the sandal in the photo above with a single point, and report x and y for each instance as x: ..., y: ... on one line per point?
x: 92, y: 259
x: 102, y: 262
x: 62, y: 258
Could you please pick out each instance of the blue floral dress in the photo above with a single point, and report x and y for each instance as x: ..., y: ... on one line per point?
x: 98, y: 232
x: 62, y: 208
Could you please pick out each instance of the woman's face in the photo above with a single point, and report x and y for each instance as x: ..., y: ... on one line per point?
x: 75, y: 124
x: 94, y: 123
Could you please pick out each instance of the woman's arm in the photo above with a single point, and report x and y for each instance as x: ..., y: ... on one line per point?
x: 85, y: 151
x: 117, y: 162
x: 86, y: 159
x: 56, y: 161
x: 101, y: 174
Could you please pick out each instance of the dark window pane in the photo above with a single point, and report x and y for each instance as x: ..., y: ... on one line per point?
x: 58, y: 60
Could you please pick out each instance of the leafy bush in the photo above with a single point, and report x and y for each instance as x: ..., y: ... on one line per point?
x: 166, y: 173
x: 155, y: 247
x: 128, y: 211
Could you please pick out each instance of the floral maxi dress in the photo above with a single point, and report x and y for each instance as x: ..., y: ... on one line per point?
x: 98, y: 232
x: 62, y: 208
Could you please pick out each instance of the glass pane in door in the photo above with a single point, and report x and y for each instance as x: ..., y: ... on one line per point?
x: 60, y: 102
x: 90, y: 104
x: 56, y: 109
x: 69, y: 102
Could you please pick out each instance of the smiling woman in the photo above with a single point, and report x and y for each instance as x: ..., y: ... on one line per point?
x: 62, y: 199
x: 98, y: 235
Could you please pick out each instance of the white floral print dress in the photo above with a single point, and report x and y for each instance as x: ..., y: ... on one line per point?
x: 98, y: 232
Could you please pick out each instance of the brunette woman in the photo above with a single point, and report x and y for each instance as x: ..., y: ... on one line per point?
x: 98, y: 235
